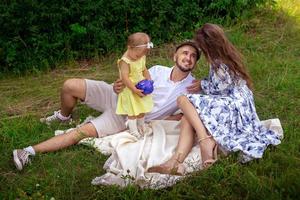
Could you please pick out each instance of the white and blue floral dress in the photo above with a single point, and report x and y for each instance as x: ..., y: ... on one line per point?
x: 227, y: 111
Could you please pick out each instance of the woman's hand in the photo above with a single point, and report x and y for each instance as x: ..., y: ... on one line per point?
x: 118, y: 86
x: 195, y: 87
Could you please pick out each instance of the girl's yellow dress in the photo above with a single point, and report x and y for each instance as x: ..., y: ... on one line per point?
x: 130, y: 103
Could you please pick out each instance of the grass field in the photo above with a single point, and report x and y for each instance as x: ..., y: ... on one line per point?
x: 270, y: 42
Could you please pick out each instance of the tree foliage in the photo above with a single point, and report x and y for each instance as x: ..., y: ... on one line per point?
x: 35, y: 35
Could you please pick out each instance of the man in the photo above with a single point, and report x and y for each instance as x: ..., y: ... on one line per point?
x: 169, y: 83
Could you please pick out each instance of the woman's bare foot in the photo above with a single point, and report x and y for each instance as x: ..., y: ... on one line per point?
x: 207, y: 149
x: 172, y: 166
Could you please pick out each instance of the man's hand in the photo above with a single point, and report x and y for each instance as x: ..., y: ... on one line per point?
x: 195, y: 87
x: 176, y: 117
x: 118, y: 86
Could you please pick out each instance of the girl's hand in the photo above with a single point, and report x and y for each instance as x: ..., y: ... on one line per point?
x: 139, y: 92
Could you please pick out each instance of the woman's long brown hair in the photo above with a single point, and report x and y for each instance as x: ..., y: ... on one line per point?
x: 217, y: 48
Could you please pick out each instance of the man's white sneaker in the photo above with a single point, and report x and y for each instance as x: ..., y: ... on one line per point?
x: 56, y: 117
x: 21, y: 158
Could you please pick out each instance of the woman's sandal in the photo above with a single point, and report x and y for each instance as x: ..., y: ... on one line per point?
x: 209, y: 162
x: 176, y: 168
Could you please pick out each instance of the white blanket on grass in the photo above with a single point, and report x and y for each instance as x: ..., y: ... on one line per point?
x: 130, y: 159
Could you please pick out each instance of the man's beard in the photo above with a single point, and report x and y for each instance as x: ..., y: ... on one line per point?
x: 182, y: 68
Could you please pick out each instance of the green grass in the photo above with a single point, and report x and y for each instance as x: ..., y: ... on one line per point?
x: 269, y: 40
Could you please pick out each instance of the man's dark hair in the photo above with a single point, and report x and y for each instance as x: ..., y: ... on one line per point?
x: 192, y: 44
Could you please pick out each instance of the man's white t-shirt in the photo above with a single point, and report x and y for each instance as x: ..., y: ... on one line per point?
x: 166, y: 92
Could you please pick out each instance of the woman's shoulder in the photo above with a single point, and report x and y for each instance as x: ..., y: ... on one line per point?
x: 220, y: 68
x: 218, y: 64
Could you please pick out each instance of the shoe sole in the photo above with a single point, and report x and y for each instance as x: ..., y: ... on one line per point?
x: 17, y: 162
x: 44, y: 121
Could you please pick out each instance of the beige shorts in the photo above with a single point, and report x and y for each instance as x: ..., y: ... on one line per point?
x: 101, y: 97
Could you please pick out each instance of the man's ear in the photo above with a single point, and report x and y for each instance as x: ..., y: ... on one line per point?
x: 174, y: 57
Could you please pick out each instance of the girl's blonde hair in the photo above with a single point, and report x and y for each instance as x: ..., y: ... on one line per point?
x: 218, y: 49
x: 137, y: 38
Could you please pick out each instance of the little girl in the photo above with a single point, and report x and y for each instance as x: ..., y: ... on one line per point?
x: 131, y: 101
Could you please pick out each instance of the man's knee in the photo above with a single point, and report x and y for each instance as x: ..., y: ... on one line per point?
x: 70, y: 85
x: 85, y: 131
x: 74, y: 87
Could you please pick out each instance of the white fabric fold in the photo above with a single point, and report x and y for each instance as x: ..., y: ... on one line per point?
x: 130, y: 159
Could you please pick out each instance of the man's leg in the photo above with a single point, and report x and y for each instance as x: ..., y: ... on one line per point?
x: 65, y: 140
x: 21, y: 156
x: 98, y: 95
x: 72, y: 90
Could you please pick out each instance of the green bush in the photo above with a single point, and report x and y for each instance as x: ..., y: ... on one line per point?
x: 35, y: 35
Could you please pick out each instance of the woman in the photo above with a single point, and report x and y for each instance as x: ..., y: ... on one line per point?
x: 224, y: 116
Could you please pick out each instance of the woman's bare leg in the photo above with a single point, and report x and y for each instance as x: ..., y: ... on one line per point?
x: 191, y: 115
x: 186, y: 139
x: 65, y: 140
x: 184, y: 146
